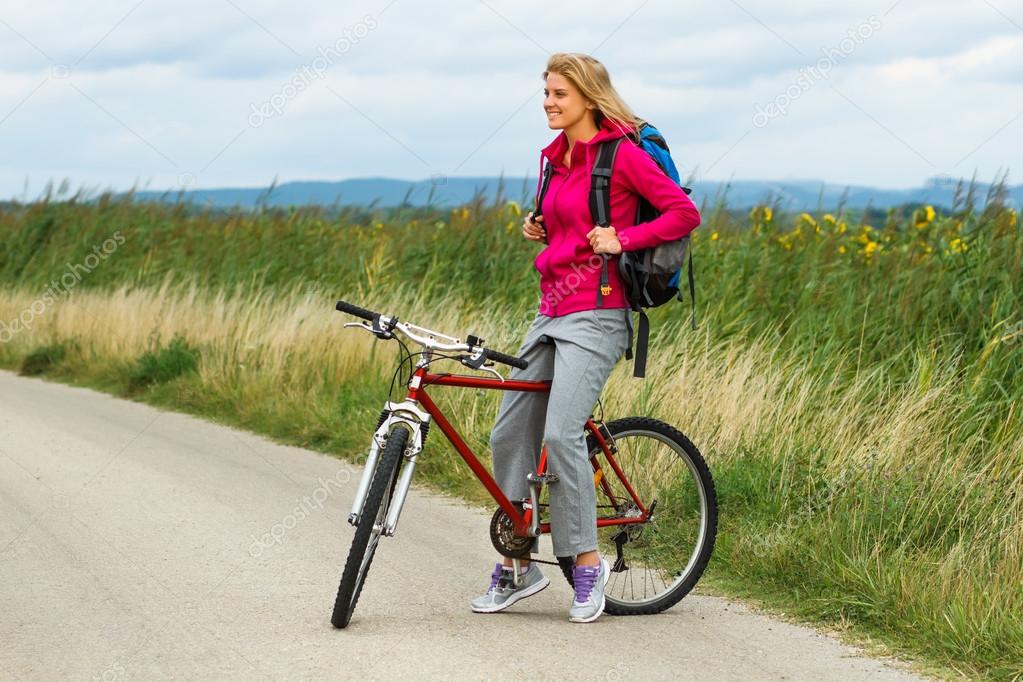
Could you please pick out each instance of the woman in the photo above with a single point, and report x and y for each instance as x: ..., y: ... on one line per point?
x: 573, y: 342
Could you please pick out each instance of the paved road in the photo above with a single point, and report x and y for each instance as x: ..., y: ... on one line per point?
x: 142, y: 544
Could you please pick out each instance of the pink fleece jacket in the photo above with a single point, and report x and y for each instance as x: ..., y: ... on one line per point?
x: 569, y: 269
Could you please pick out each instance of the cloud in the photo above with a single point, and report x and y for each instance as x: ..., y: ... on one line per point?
x: 157, y: 92
x: 998, y: 59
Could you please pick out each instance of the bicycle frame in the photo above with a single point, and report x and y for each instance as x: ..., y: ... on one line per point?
x: 419, y: 409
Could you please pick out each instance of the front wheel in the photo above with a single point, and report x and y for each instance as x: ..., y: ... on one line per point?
x: 371, y: 525
x: 656, y: 563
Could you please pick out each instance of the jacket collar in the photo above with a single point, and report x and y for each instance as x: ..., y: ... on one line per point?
x: 555, y: 151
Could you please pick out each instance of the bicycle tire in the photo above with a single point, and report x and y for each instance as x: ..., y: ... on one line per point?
x: 367, y: 533
x: 696, y: 563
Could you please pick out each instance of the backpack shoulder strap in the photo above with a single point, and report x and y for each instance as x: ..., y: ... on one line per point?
x: 600, y: 202
x: 600, y: 182
x: 538, y: 209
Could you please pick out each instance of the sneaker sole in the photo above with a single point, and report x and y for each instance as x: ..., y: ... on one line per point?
x: 539, y: 587
x: 603, y: 602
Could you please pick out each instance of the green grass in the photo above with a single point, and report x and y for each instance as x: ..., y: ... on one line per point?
x: 163, y: 363
x: 854, y: 386
x: 43, y: 359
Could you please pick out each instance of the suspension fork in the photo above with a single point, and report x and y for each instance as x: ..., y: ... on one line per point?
x: 417, y: 420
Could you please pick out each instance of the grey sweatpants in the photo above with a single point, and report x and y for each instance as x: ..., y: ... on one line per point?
x: 586, y: 346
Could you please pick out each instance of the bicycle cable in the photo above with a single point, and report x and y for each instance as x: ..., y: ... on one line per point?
x: 409, y: 357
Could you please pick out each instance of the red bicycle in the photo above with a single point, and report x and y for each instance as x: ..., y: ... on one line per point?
x: 657, y: 508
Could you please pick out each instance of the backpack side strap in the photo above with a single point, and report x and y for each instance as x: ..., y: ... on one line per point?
x: 642, y: 340
x: 692, y: 291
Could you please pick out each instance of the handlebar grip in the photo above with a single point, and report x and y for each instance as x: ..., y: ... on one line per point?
x: 507, y: 359
x: 351, y: 309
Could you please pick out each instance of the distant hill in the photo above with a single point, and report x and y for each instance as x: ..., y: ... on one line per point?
x: 795, y: 195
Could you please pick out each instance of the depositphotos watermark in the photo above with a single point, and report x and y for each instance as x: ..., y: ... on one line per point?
x: 570, y: 283
x: 810, y: 75
x: 114, y: 672
x: 311, y: 71
x: 303, y: 509
x: 61, y: 287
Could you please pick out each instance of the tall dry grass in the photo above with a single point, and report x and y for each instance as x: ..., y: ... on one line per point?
x: 907, y: 531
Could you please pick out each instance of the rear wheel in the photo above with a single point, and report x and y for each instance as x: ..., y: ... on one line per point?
x: 371, y: 523
x: 656, y: 563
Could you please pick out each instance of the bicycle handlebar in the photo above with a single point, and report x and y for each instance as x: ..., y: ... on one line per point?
x: 497, y: 356
x: 352, y: 309
x: 429, y: 338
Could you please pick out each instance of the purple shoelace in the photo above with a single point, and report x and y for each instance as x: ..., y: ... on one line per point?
x: 495, y: 576
x: 584, y: 578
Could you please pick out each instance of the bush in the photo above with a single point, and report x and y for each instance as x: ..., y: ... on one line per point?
x: 163, y: 364
x: 43, y: 359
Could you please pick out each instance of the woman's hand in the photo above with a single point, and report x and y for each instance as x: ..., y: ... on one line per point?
x: 534, y: 229
x: 604, y: 240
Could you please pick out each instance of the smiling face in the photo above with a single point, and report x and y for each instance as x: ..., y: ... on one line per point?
x: 564, y: 105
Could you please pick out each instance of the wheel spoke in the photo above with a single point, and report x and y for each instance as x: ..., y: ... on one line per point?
x: 666, y: 471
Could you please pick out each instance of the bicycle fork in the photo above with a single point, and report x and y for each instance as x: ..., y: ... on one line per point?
x: 418, y: 423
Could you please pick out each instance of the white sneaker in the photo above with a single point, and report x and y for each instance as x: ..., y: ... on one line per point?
x: 503, y: 593
x: 589, y: 582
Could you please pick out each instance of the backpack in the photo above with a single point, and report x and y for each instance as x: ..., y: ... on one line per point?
x: 651, y: 276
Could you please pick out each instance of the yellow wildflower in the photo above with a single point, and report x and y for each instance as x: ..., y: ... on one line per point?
x: 923, y: 217
x: 841, y: 249
x: 761, y: 215
x: 957, y: 246
x: 713, y: 236
x: 514, y: 207
x: 869, y: 248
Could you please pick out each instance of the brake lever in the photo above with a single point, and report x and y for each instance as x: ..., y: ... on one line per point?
x: 372, y: 329
x: 492, y: 371
x: 476, y: 360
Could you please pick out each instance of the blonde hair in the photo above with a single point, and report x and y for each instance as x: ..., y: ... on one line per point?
x: 591, y: 78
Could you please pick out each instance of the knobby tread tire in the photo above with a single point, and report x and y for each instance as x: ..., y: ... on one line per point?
x: 382, y: 485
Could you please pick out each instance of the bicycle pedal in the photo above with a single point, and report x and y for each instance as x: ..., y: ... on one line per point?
x: 542, y: 479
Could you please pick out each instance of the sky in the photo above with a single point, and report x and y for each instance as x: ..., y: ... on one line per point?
x: 110, y: 95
